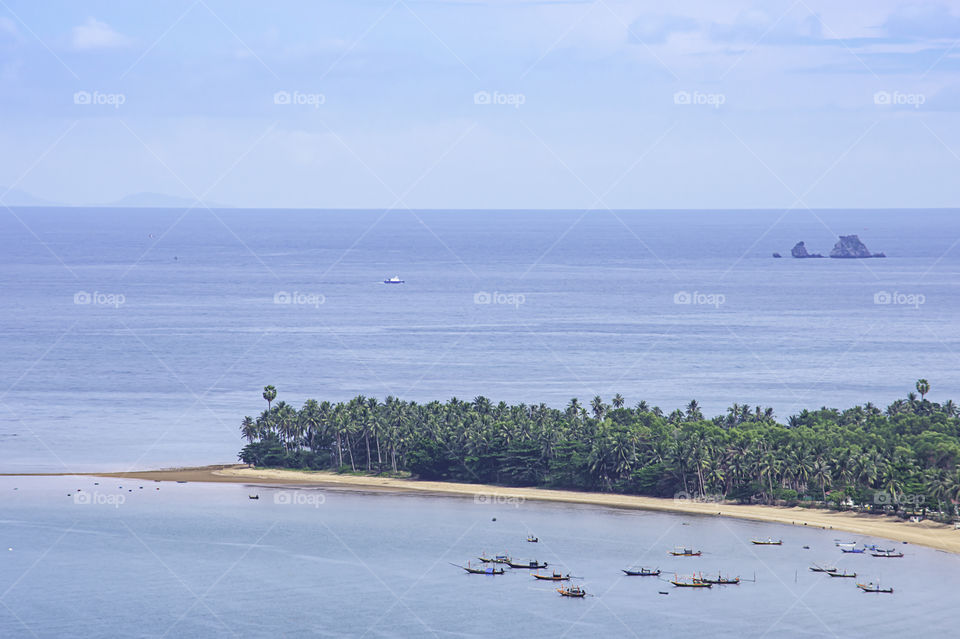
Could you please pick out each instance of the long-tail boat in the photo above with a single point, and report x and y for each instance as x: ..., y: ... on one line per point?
x: 482, y: 570
x: 572, y: 591
x: 720, y: 580
x: 816, y: 568
x: 834, y: 573
x: 693, y: 582
x: 768, y: 542
x: 681, y: 551
x: 556, y: 576
x: 871, y: 587
x: 643, y: 572
x: 532, y: 539
x: 499, y: 559
x: 887, y: 553
x: 532, y: 564
x: 857, y: 551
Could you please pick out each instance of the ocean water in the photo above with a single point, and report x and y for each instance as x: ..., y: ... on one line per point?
x: 183, y: 328
x: 191, y: 560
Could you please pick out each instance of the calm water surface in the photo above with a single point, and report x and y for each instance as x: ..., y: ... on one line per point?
x: 193, y: 560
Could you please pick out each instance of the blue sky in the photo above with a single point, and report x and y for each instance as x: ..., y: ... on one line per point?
x: 701, y: 104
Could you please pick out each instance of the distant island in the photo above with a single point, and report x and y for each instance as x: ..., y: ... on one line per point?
x: 902, y: 460
x: 847, y: 247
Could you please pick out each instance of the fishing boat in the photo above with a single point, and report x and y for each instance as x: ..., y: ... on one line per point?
x: 768, y: 542
x: 721, y: 580
x: 846, y: 544
x: 643, y: 572
x: 834, y: 573
x: 855, y: 551
x: 393, y: 280
x: 499, y: 559
x: 532, y: 564
x: 817, y: 568
x: 887, y: 553
x: 871, y: 587
x: 482, y: 570
x: 693, y: 582
x: 254, y: 496
x: 572, y: 591
x: 556, y: 576
x: 532, y: 539
x: 681, y: 551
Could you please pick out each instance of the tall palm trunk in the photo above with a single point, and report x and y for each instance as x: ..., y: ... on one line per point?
x: 366, y: 437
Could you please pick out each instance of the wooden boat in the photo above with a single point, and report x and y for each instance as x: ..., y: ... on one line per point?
x: 693, y: 582
x: 532, y: 539
x: 816, y: 568
x: 849, y: 544
x: 680, y: 551
x: 482, y: 570
x: 254, y: 496
x: 768, y: 542
x: 572, y: 591
x: 499, y: 559
x: 643, y: 572
x: 887, y: 553
x: 857, y: 551
x: 834, y: 573
x: 874, y: 588
x: 556, y: 576
x: 532, y: 564
x: 720, y: 580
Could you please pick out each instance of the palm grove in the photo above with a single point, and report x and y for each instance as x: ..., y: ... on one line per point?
x: 905, y: 455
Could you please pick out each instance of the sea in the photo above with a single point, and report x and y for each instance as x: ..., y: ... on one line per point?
x: 140, y: 338
x: 128, y: 558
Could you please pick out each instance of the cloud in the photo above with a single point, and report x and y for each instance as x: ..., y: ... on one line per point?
x: 922, y: 22
x: 658, y: 29
x: 94, y: 34
x: 755, y: 25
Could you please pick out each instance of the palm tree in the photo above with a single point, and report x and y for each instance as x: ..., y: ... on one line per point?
x: 269, y: 394
x: 248, y: 429
x: 923, y: 387
x: 598, y: 407
x: 693, y: 413
x: 618, y: 401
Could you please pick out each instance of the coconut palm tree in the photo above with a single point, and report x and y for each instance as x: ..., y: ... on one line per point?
x: 269, y: 394
x: 617, y: 401
x: 923, y: 387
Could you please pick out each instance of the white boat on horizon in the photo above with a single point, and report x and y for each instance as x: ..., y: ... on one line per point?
x: 393, y: 280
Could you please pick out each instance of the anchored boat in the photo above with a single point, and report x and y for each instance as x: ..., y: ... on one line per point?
x: 556, y: 576
x: 393, y: 280
x: 834, y: 573
x: 871, y: 587
x: 887, y: 553
x: 532, y: 564
x: 768, y: 542
x: 572, y: 591
x: 499, y: 559
x: 693, y: 582
x: 681, y: 551
x: 482, y: 570
x: 643, y: 572
x: 816, y: 568
x: 720, y: 580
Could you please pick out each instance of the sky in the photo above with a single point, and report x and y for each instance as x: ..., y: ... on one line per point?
x: 478, y: 104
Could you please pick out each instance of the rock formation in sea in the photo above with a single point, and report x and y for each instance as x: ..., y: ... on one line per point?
x: 850, y: 247
x: 799, y: 250
x: 777, y: 255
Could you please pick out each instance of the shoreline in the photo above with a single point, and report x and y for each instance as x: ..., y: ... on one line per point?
x: 926, y: 533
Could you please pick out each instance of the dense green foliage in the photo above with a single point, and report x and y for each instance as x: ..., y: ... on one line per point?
x: 905, y: 458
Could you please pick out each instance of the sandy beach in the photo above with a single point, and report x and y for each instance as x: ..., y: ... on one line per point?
x: 925, y: 533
